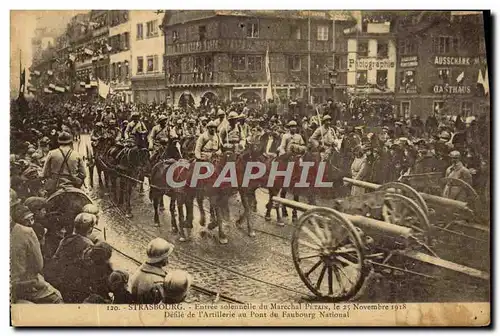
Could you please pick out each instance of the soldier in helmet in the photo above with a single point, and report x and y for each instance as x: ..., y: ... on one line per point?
x: 159, y: 135
x: 207, y: 143
x: 64, y: 165
x: 136, y: 130
x: 292, y: 142
x: 231, y: 135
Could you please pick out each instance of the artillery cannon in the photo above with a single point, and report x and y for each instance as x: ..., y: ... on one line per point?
x: 349, y: 243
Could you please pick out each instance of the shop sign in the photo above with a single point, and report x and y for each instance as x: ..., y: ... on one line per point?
x: 371, y: 63
x: 409, y: 62
x: 452, y: 60
x: 451, y: 89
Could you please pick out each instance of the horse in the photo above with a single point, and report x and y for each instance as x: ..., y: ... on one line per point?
x: 127, y: 163
x: 93, y: 154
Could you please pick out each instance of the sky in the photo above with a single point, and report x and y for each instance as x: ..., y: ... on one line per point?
x: 22, y: 29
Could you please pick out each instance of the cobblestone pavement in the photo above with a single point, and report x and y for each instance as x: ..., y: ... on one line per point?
x: 247, y: 269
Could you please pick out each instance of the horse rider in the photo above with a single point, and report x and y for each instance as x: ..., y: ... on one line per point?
x: 159, y: 135
x: 231, y: 134
x: 324, y: 136
x: 107, y: 115
x: 244, y: 127
x: 456, y: 170
x: 208, y: 143
x: 179, y: 128
x: 64, y: 165
x: 200, y: 129
x: 292, y: 142
x: 137, y: 130
x: 221, y: 120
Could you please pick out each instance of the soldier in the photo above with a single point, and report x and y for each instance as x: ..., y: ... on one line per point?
x: 244, y: 127
x: 221, y: 120
x: 231, y: 134
x: 108, y: 115
x: 324, y: 135
x: 159, y: 134
x: 459, y: 171
x: 200, y: 129
x: 63, y: 165
x: 208, y: 143
x: 292, y: 142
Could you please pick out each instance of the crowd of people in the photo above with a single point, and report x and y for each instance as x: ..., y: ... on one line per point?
x: 53, y: 264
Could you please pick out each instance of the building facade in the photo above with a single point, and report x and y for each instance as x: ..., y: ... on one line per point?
x: 441, y: 58
x: 120, y: 54
x: 222, y: 54
x: 147, y: 62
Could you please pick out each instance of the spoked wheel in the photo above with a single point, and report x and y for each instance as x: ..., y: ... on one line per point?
x: 401, y: 210
x: 406, y: 190
x: 467, y: 193
x: 328, y: 254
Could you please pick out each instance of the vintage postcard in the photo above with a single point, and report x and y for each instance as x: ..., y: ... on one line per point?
x: 250, y: 168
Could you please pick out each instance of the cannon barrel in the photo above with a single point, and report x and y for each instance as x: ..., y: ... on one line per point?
x: 431, y: 198
x: 364, y: 223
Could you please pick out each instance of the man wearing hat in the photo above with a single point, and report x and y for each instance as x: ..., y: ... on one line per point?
x: 244, y: 127
x: 457, y: 170
x: 221, y: 120
x: 108, y: 115
x: 324, y: 135
x: 292, y: 142
x: 135, y: 127
x: 207, y: 143
x: 151, y: 272
x: 160, y: 133
x: 231, y: 134
x: 63, y: 165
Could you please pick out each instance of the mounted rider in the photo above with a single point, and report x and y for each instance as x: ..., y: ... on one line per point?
x: 208, y: 143
x: 63, y: 165
x: 324, y: 136
x: 159, y: 136
x: 292, y: 142
x: 231, y: 134
x: 137, y: 130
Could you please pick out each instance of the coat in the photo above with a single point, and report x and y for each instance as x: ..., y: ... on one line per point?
x: 359, y: 171
x: 458, y: 171
x: 143, y: 281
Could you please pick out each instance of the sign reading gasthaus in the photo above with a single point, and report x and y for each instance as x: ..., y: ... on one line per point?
x: 371, y: 63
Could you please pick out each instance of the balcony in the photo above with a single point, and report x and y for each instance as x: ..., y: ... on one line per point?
x: 246, y: 45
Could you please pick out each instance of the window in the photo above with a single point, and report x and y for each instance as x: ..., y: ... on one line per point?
x: 253, y: 29
x: 126, y: 70
x: 340, y: 62
x: 405, y: 109
x: 363, y: 48
x: 140, y: 64
x: 407, y: 79
x: 164, y: 64
x: 294, y: 62
x: 382, y: 78
x: 175, y: 36
x: 445, y: 44
x: 444, y: 75
x: 201, y: 32
x: 139, y: 31
x: 239, y: 63
x: 322, y: 33
x: 295, y: 32
x: 382, y: 49
x: 361, y: 77
x: 151, y: 28
x: 407, y: 47
x: 126, y: 41
x: 120, y: 71
x: 155, y: 62
x: 255, y: 63
x: 466, y: 109
x: 438, y: 106
x: 150, y: 64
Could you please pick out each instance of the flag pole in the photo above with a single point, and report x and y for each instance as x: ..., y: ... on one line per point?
x: 309, y: 57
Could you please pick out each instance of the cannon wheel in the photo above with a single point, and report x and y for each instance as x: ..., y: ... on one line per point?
x: 324, y: 237
x: 68, y: 203
x: 401, y: 210
x: 471, y: 195
x: 406, y: 190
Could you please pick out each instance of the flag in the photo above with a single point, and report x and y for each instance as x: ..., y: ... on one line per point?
x: 269, y: 89
x: 22, y: 81
x: 104, y: 89
x: 486, y: 84
x: 460, y: 77
x: 480, y: 79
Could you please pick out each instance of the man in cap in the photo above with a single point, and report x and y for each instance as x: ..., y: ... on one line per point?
x: 292, y: 142
x: 151, y: 272
x: 64, y: 165
x: 324, y: 135
x: 231, y: 134
x: 457, y: 170
x: 208, y: 143
x: 159, y: 134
